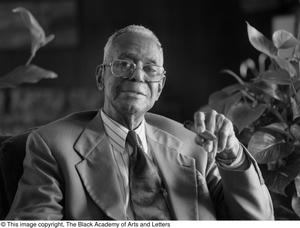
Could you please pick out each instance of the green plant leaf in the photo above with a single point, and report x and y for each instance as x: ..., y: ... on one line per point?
x: 297, y: 96
x: 245, y: 135
x: 295, y: 109
x: 295, y: 131
x: 284, y: 213
x: 242, y: 114
x: 287, y: 53
x: 286, y: 65
x: 278, y: 180
x: 230, y: 101
x: 260, y: 42
x: 279, y: 130
x: 246, y: 65
x: 267, y: 148
x: 215, y: 101
x: 233, y: 88
x: 297, y: 185
x: 262, y: 62
x: 295, y: 63
x: 221, y: 100
x: 283, y: 39
x: 38, y: 37
x: 279, y: 77
x: 297, y: 51
x: 296, y: 204
x: 262, y: 87
x: 297, y: 85
x: 25, y: 74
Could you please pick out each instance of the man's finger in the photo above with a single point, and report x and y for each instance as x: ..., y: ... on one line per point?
x: 199, y: 121
x: 208, y: 145
x: 219, y: 119
x: 224, y: 133
x: 210, y: 121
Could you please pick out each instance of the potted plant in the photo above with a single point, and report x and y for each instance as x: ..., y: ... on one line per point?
x: 264, y: 106
x: 29, y: 73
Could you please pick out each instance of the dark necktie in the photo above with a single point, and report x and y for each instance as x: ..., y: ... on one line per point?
x: 147, y: 196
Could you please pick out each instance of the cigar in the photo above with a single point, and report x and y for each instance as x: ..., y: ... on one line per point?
x: 207, y: 135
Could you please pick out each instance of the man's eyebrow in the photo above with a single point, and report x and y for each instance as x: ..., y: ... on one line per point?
x: 133, y: 57
x: 127, y: 55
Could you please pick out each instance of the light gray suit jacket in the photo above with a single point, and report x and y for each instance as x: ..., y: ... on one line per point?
x: 69, y: 174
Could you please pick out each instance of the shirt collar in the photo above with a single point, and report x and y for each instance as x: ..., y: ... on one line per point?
x: 117, y: 133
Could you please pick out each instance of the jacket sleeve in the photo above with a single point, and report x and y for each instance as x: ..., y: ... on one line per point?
x: 39, y: 195
x: 239, y: 194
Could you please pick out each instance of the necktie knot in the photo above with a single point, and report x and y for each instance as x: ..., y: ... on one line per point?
x: 133, y: 139
x: 135, y: 150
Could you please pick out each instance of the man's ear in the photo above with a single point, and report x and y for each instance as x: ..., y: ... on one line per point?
x: 99, y: 77
x: 160, y: 87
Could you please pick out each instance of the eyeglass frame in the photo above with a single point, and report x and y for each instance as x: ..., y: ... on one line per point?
x: 163, y: 74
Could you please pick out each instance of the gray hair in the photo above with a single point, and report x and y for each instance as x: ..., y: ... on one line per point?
x: 138, y: 29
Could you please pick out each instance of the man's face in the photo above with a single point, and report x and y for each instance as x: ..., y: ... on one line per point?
x: 135, y: 96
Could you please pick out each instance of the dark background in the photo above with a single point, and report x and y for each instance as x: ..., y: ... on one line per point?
x: 199, y: 39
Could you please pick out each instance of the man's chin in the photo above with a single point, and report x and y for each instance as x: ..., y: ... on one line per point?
x: 132, y: 106
x: 132, y: 99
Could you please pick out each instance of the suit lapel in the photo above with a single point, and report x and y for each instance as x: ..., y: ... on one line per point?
x: 97, y: 170
x: 178, y: 172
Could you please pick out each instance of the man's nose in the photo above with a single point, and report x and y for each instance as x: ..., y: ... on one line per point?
x: 139, y: 74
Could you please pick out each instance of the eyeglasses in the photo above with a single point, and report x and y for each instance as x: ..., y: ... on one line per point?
x: 125, y: 69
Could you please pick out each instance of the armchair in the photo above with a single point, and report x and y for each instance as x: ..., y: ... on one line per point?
x: 12, y: 153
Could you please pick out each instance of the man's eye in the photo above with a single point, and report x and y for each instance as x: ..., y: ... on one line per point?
x: 125, y: 65
x: 150, y: 69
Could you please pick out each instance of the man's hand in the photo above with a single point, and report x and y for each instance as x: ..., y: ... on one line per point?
x: 225, y: 144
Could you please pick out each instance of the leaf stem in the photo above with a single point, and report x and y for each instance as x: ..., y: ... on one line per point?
x: 29, y: 60
x: 248, y: 96
x: 277, y: 114
x: 233, y: 75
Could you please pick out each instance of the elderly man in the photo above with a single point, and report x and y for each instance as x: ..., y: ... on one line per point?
x: 125, y: 163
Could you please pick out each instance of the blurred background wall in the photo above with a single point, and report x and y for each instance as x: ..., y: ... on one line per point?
x: 200, y: 38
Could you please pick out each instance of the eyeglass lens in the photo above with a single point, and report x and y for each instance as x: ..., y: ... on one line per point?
x: 124, y: 68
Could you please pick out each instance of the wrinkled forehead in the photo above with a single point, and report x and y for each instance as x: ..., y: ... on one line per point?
x: 137, y: 46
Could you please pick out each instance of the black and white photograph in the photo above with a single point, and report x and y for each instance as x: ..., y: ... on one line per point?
x: 133, y: 113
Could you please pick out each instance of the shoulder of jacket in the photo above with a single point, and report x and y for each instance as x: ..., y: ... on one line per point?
x: 170, y: 126
x: 69, y: 124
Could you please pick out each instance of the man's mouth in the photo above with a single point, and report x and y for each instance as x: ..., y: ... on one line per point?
x: 134, y: 92
x: 132, y: 88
